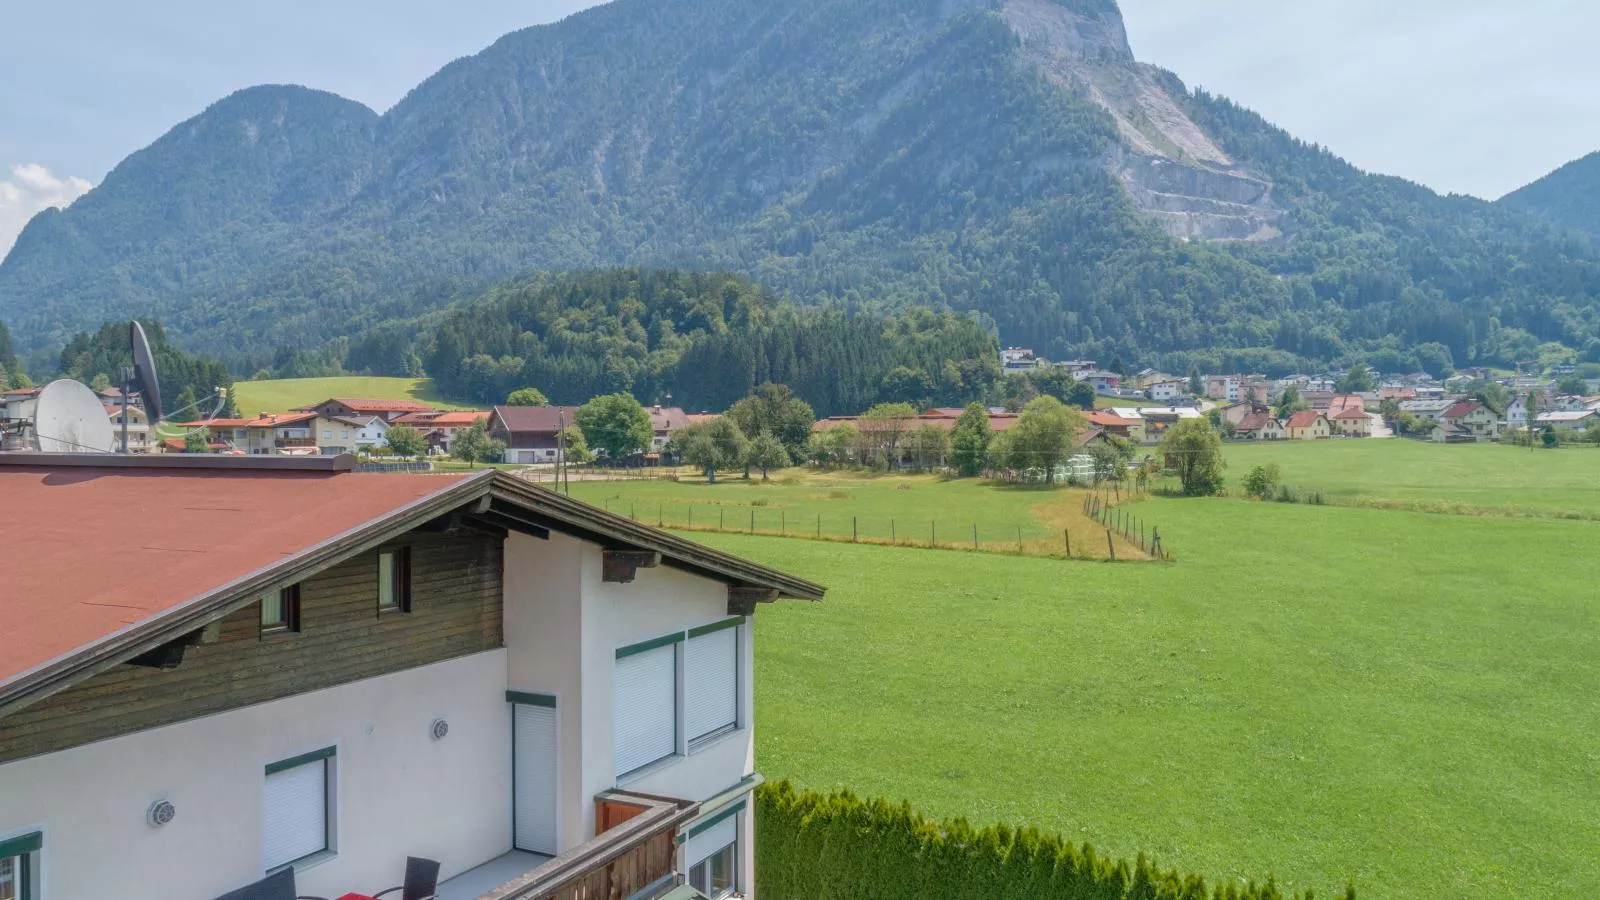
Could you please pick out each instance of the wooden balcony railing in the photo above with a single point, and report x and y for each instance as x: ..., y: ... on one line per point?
x: 634, y: 853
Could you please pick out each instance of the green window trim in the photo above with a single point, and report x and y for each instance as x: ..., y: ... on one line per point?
x: 304, y: 758
x: 734, y: 622
x: 700, y: 825
x: 22, y: 846
x: 646, y: 646
x: 527, y: 699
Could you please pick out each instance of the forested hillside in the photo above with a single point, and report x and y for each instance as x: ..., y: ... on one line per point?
x: 187, y: 382
x: 1008, y: 157
x: 1569, y: 196
x: 704, y: 340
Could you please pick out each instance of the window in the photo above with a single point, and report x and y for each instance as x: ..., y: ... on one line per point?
x: 295, y: 811
x: 394, y: 579
x: 18, y: 860
x: 327, y: 434
x: 711, y: 681
x: 280, y: 610
x: 712, y: 850
x: 645, y: 710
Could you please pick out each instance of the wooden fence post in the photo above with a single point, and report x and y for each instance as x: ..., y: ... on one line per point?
x: 1067, y: 534
x: 722, y: 518
x: 1019, y: 538
x: 892, y: 541
x: 855, y: 531
x: 819, y: 526
x: 974, y: 535
x: 661, y: 514
x: 783, y: 522
x: 933, y: 533
x: 752, y: 520
x: 1111, y: 547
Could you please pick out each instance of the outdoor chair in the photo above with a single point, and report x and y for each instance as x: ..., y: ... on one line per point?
x: 277, y: 886
x: 422, y: 880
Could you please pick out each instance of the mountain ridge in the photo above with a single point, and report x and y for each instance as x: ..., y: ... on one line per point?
x: 1004, y: 156
x: 1568, y: 196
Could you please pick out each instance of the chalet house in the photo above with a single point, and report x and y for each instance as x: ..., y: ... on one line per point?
x: 287, y: 434
x: 1307, y: 425
x: 1102, y: 382
x: 1468, y: 420
x: 348, y: 408
x: 1260, y: 426
x: 440, y: 427
x: 1167, y: 389
x: 306, y: 673
x: 1351, y: 421
x: 1111, y: 423
x: 371, y: 432
x: 138, y: 427
x: 531, y: 433
x: 1016, y: 360
x: 1155, y: 420
x: 1256, y: 389
x: 665, y: 421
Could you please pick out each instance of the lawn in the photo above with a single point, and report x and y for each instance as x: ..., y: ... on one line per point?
x: 1397, y: 700
x: 284, y: 394
x: 1487, y: 478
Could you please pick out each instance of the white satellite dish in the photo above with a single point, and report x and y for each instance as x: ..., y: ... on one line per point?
x: 70, y: 419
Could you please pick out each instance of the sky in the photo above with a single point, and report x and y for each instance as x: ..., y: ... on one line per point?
x: 1468, y: 96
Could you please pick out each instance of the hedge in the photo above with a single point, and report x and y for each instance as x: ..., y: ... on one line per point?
x: 813, y: 846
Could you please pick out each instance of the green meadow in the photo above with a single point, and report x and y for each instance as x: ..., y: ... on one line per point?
x: 1399, y: 700
x: 284, y: 394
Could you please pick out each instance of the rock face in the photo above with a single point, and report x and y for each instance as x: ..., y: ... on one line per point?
x: 1172, y: 170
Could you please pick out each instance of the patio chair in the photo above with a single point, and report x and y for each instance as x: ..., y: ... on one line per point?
x: 422, y: 880
x: 277, y: 886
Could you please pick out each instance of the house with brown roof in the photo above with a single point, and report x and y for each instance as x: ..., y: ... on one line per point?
x: 665, y: 421
x: 304, y: 675
x: 1260, y: 426
x: 268, y: 434
x: 1351, y: 421
x: 531, y: 433
x: 1467, y: 421
x: 1307, y: 425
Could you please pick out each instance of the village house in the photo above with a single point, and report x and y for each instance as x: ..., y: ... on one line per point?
x: 665, y: 421
x: 347, y: 408
x: 1017, y: 360
x: 371, y: 432
x: 308, y: 675
x: 1167, y: 389
x: 531, y: 433
x: 1155, y: 420
x: 1074, y: 366
x: 1467, y: 420
x: 1223, y: 387
x: 1431, y: 410
x: 1260, y: 426
x: 1307, y: 425
x: 1568, y: 420
x: 440, y: 427
x: 1258, y: 389
x: 1348, y: 416
x: 138, y: 427
x: 1103, y: 382
x: 1111, y: 423
x: 288, y: 434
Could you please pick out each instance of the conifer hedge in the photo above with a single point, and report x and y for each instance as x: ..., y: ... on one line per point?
x: 813, y: 846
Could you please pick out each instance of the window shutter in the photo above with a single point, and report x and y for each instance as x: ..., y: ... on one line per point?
x: 295, y: 814
x: 646, y: 709
x: 711, y: 682
x: 535, y: 777
x: 709, y: 841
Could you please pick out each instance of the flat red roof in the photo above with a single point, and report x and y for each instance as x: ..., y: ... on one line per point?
x: 95, y: 550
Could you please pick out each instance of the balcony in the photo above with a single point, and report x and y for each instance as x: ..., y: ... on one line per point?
x: 284, y: 443
x: 633, y: 856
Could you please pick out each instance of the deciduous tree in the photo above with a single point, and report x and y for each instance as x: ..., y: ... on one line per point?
x: 616, y: 425
x: 1194, y: 451
x: 474, y: 446
x: 1043, y: 436
x: 969, y: 441
x: 528, y: 396
x: 710, y: 446
x: 767, y: 453
x: 406, y: 441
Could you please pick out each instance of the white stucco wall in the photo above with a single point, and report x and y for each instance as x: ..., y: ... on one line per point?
x: 398, y: 791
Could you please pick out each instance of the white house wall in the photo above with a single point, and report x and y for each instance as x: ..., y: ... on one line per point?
x: 398, y: 791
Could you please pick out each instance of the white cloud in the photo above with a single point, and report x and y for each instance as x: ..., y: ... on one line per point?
x: 33, y: 188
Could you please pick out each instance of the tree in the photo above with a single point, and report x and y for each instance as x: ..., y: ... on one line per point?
x: 1262, y: 481
x: 616, y: 425
x: 575, y: 447
x: 1196, y: 386
x: 1290, y: 402
x: 1110, y: 456
x: 1357, y: 381
x: 198, y: 440
x: 1043, y: 436
x: 767, y: 453
x: 833, y: 447
x: 1490, y: 393
x: 528, y: 396
x: 186, y: 404
x: 100, y: 382
x: 903, y: 384
x: 713, y: 445
x: 884, y: 425
x: 1574, y: 385
x: 1117, y: 365
x: 1549, y: 438
x: 1194, y: 451
x: 475, y: 445
x: 929, y: 446
x: 774, y: 408
x: 406, y: 441
x: 1389, y: 409
x: 969, y: 441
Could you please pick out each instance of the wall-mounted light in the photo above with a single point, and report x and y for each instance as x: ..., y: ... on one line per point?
x: 439, y: 729
x: 160, y: 813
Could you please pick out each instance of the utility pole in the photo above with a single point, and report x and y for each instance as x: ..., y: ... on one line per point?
x: 127, y: 378
x: 561, y: 449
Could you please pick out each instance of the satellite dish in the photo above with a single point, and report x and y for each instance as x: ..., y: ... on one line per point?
x: 70, y: 419
x: 144, y: 373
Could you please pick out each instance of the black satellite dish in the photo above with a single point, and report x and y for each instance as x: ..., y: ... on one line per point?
x: 144, y: 373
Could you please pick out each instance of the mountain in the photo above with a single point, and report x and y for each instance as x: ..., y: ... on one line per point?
x: 1009, y: 157
x: 1569, y: 196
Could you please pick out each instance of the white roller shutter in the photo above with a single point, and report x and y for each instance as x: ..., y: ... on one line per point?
x: 711, y: 682
x: 646, y: 708
x: 535, y: 776
x: 702, y: 844
x: 295, y: 814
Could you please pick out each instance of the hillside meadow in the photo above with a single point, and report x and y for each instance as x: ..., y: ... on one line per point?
x: 283, y: 394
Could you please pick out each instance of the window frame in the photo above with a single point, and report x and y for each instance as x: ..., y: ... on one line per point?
x: 685, y: 744
x: 289, y: 606
x: 24, y: 849
x: 399, y: 563
x: 325, y: 757
x: 733, y: 810
x: 675, y: 642
x: 735, y: 624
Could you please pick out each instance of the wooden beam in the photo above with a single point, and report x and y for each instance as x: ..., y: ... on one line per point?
x: 620, y: 566
x: 742, y: 599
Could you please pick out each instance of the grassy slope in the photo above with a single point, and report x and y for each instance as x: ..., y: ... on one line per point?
x: 1399, y: 700
x: 1486, y: 477
x: 283, y: 394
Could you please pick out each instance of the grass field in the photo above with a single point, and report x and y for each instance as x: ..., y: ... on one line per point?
x: 1486, y: 478
x: 283, y: 394
x: 1389, y: 698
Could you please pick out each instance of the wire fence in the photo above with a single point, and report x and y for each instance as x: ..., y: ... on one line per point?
x: 1104, y: 506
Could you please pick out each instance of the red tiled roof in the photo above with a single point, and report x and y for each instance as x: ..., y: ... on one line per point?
x: 265, y: 420
x: 158, y: 538
x: 1462, y: 410
x: 461, y: 418
x: 1304, y: 418
x: 1108, y: 419
x: 1350, y: 412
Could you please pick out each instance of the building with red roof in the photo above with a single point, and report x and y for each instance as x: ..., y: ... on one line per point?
x: 1308, y: 425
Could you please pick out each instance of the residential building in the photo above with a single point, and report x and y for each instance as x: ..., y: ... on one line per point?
x: 1570, y: 420
x: 1103, y: 382
x: 1017, y: 360
x: 440, y: 427
x: 289, y: 434
x: 1223, y: 387
x: 1234, y: 413
x: 1321, y: 401
x: 1258, y: 389
x: 1167, y: 389
x: 1260, y: 426
x: 347, y: 408
x: 138, y: 427
x: 315, y: 671
x: 665, y: 421
x: 371, y: 432
x: 1156, y: 419
x: 1307, y: 425
x: 1351, y: 421
x: 1074, y: 366
x: 1430, y: 409
x: 1113, y: 423
x: 531, y: 433
x: 1468, y: 420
